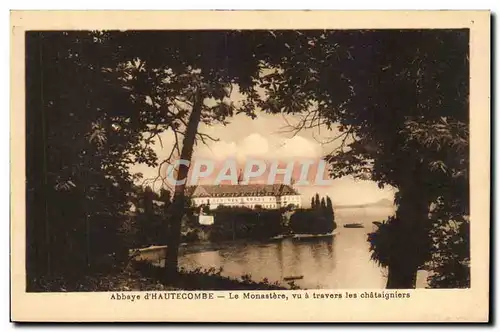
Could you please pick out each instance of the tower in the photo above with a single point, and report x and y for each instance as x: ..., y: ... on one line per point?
x: 240, y: 176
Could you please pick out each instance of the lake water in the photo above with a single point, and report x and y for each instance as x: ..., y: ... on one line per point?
x: 342, y: 261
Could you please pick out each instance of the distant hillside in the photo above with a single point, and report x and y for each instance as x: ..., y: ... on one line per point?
x: 380, y: 203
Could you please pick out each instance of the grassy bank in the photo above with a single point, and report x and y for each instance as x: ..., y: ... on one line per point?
x: 207, y: 279
x: 143, y: 276
x: 128, y: 279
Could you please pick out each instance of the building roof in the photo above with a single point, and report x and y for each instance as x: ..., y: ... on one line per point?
x: 241, y: 190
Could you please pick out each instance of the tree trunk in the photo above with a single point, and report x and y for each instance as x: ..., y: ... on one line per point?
x: 402, y: 275
x: 410, y: 246
x: 178, y: 202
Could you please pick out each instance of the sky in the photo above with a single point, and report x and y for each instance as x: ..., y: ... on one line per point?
x: 268, y: 137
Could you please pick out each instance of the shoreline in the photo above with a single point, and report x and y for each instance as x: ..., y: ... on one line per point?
x: 198, y: 247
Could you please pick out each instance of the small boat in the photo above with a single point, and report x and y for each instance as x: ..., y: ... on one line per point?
x: 353, y: 225
x: 307, y: 236
x: 304, y: 236
x: 293, y: 278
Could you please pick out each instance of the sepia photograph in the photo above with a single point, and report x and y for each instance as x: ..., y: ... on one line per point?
x: 176, y: 163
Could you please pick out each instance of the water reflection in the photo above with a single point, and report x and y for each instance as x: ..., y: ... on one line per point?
x: 329, y: 263
x: 339, y: 262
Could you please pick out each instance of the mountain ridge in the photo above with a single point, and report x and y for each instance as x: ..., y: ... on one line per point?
x: 384, y: 202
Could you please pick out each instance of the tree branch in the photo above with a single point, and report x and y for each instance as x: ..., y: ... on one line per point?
x: 203, y: 137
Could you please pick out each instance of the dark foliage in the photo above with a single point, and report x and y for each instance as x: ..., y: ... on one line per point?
x: 386, y: 244
x: 400, y: 101
x: 77, y: 153
x: 244, y: 223
x: 311, y: 221
x: 319, y: 219
x: 96, y: 100
x: 450, y: 263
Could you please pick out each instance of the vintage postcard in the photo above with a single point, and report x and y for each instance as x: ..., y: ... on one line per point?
x: 257, y: 166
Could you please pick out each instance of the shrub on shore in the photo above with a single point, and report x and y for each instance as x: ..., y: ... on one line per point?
x: 311, y: 221
x: 142, y: 276
x: 208, y: 279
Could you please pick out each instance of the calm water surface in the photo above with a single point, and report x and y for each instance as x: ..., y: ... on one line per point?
x: 342, y: 261
x: 339, y: 262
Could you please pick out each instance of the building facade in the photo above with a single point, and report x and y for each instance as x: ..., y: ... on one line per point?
x: 251, y: 196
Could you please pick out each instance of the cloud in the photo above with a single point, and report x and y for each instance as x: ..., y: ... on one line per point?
x: 220, y: 150
x: 298, y: 147
x: 263, y: 138
x: 256, y: 145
